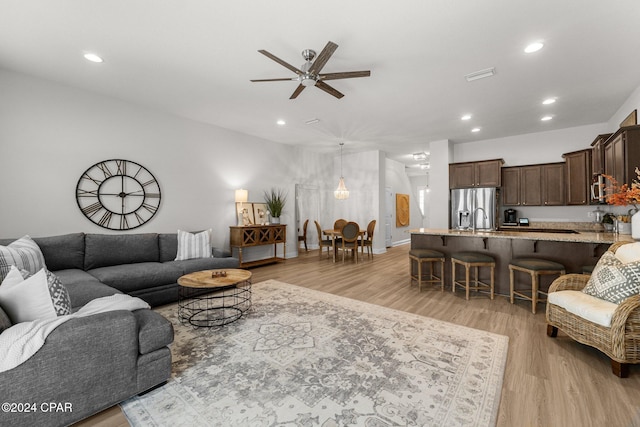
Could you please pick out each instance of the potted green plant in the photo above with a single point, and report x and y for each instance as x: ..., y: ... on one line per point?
x: 275, y: 200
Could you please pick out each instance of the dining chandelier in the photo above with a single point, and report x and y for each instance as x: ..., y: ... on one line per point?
x: 341, y: 192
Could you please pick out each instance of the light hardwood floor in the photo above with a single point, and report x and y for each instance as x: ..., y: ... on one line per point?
x: 547, y: 382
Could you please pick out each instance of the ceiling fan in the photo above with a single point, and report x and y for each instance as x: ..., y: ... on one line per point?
x: 309, y: 73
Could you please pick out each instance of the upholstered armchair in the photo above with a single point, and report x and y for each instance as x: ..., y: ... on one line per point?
x: 613, y: 328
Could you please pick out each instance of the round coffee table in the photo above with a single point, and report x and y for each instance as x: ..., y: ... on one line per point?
x: 214, y: 297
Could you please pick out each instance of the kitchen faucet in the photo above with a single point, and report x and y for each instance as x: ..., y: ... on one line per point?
x: 475, y: 211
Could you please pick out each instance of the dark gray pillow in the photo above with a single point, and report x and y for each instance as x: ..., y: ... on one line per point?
x: 5, y: 322
x: 103, y: 250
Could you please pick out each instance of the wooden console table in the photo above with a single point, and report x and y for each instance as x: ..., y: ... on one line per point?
x: 259, y: 235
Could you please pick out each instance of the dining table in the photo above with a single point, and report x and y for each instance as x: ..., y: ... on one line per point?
x: 336, y: 234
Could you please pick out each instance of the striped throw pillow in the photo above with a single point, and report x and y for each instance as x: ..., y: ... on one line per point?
x: 24, y: 253
x: 194, y: 245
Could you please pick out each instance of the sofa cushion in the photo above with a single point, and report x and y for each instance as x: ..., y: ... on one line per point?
x: 612, y: 280
x: 131, y: 277
x: 193, y: 245
x: 103, y: 250
x: 81, y: 293
x: 190, y: 265
x: 168, y: 245
x: 62, y: 252
x: 24, y: 253
x: 154, y: 331
x: 39, y: 296
x: 586, y: 306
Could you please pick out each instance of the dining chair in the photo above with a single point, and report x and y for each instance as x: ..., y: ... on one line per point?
x: 350, y: 233
x: 323, y: 243
x: 339, y: 224
x: 303, y: 238
x: 367, y: 241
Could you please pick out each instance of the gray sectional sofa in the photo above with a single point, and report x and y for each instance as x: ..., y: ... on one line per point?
x: 91, y: 363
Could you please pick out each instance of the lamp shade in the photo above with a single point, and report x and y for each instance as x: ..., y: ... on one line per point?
x: 242, y: 196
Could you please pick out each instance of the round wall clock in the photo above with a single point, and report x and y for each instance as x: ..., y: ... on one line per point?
x: 118, y: 194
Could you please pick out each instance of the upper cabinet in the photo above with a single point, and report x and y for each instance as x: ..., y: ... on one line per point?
x: 533, y: 185
x: 578, y: 178
x: 475, y: 174
x: 597, y: 153
x: 621, y: 152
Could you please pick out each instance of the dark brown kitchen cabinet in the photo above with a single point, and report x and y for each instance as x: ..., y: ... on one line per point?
x: 521, y: 186
x: 511, y: 186
x: 475, y: 174
x: 530, y: 185
x: 597, y: 153
x: 578, y: 176
x: 533, y: 185
x: 553, y: 184
x: 622, y: 154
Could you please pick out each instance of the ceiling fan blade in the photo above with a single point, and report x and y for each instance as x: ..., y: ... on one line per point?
x: 322, y: 59
x: 331, y: 91
x: 275, y: 80
x: 296, y: 92
x: 281, y: 62
x: 345, y: 75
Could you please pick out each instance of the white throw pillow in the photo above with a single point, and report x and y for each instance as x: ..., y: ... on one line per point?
x: 40, y: 296
x: 24, y: 253
x: 194, y: 245
x: 629, y: 253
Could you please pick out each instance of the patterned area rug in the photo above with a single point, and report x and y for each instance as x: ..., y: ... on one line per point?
x: 307, y: 358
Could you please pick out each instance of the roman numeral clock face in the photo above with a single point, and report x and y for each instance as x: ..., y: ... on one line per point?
x: 118, y: 194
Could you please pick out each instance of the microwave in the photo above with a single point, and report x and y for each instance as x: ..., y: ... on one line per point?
x: 598, y: 194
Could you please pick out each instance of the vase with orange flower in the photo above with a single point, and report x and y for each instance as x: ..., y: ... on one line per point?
x: 625, y: 195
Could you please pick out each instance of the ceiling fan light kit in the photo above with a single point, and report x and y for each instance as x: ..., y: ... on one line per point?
x: 309, y: 73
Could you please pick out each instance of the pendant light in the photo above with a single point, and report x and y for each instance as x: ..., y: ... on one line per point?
x: 341, y: 192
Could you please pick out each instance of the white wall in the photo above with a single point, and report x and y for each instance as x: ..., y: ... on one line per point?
x: 399, y: 183
x: 438, y: 200
x: 50, y: 134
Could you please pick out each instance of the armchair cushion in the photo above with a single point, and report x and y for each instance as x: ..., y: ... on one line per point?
x: 586, y: 306
x: 612, y: 280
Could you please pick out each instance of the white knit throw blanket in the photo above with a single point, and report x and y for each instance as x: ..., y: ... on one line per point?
x: 21, y: 341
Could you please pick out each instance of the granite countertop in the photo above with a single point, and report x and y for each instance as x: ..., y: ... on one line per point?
x: 579, y: 237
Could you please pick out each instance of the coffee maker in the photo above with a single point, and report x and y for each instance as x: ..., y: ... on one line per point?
x: 510, y: 217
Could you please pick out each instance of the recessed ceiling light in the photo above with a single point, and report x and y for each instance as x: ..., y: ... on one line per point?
x: 549, y: 101
x: 475, y: 130
x: 466, y: 117
x: 281, y: 122
x: 534, y: 47
x: 546, y: 118
x: 420, y: 156
x: 424, y: 166
x: 92, y: 57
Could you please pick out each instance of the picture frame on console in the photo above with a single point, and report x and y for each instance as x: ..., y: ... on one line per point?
x: 260, y: 213
x: 244, y: 213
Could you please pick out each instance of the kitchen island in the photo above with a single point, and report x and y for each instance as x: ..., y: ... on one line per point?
x: 573, y: 249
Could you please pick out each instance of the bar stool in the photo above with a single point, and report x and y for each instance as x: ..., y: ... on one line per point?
x: 535, y: 267
x: 475, y: 260
x: 430, y: 256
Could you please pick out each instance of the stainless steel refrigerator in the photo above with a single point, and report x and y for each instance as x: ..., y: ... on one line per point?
x: 474, y: 208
